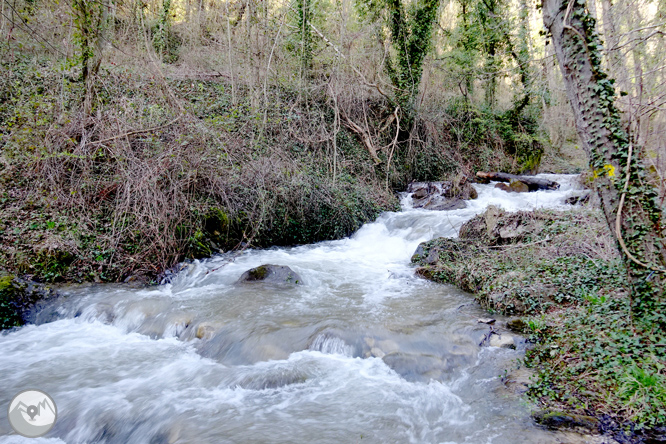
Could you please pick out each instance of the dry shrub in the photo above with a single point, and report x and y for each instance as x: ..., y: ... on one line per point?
x: 144, y: 184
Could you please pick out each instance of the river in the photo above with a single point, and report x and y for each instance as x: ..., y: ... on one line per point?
x: 362, y: 351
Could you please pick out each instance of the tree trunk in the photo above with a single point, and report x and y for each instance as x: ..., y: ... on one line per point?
x: 533, y: 183
x: 614, y: 59
x: 619, y: 177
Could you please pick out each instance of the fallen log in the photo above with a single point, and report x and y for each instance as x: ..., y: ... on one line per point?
x: 533, y: 183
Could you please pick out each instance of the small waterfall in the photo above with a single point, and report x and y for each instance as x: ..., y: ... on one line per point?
x: 331, y: 345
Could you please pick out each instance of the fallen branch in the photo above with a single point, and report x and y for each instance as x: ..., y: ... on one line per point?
x: 532, y: 183
x: 365, y: 137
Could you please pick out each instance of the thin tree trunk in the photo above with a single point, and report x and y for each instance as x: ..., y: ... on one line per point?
x: 615, y: 64
x: 619, y: 176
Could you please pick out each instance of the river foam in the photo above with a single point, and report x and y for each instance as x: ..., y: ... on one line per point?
x: 362, y: 351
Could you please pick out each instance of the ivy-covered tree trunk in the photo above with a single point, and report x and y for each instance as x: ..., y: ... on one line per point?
x: 304, y: 9
x: 623, y: 187
x: 89, y: 20
x: 492, y: 26
x: 410, y: 32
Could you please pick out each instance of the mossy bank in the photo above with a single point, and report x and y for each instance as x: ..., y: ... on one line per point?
x: 162, y: 169
x: 17, y: 298
x: 561, y: 273
x: 163, y: 172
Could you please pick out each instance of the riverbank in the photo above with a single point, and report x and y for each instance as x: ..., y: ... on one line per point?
x: 174, y: 167
x: 165, y: 171
x: 560, y: 273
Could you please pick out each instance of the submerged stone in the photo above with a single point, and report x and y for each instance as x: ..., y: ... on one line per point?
x: 442, y: 196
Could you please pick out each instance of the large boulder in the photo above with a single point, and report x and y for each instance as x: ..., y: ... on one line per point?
x: 274, y: 274
x: 442, y: 196
x: 498, y: 227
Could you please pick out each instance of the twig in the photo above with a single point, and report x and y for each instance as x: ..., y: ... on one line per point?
x: 359, y: 73
x: 393, y: 145
x: 508, y: 247
x: 131, y: 133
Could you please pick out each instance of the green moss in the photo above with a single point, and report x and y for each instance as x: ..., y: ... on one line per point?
x: 9, y: 303
x: 5, y: 283
x: 259, y: 273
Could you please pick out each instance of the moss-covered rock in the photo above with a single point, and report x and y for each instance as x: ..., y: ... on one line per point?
x: 274, y: 274
x: 518, y: 325
x: 526, y: 262
x: 556, y: 420
x: 17, y: 297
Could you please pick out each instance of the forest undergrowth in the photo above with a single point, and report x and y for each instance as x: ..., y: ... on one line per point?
x: 167, y: 169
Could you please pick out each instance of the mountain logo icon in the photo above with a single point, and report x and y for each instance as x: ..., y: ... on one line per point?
x: 32, y: 413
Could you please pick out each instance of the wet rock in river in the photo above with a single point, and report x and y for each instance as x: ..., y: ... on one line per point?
x: 578, y: 199
x: 518, y: 381
x: 206, y: 330
x: 502, y: 186
x: 388, y: 346
x: 442, y: 196
x: 440, y: 204
x: 518, y: 187
x: 517, y: 325
x: 502, y: 341
x: 274, y: 274
x: 18, y: 297
x: 555, y: 420
x: 515, y: 186
x: 377, y: 352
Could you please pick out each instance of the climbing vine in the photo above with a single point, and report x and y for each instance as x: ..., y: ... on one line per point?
x: 409, y: 33
x: 90, y: 21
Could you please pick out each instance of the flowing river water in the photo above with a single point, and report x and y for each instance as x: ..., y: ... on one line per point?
x: 362, y: 351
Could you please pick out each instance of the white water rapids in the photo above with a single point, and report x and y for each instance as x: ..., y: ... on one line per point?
x: 299, y: 364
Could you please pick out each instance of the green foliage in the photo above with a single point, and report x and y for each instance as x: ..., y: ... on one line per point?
x: 409, y: 31
x: 9, y: 315
x: 165, y: 41
x: 320, y: 210
x: 591, y: 359
x: 482, y: 45
x: 479, y: 134
x: 221, y: 190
